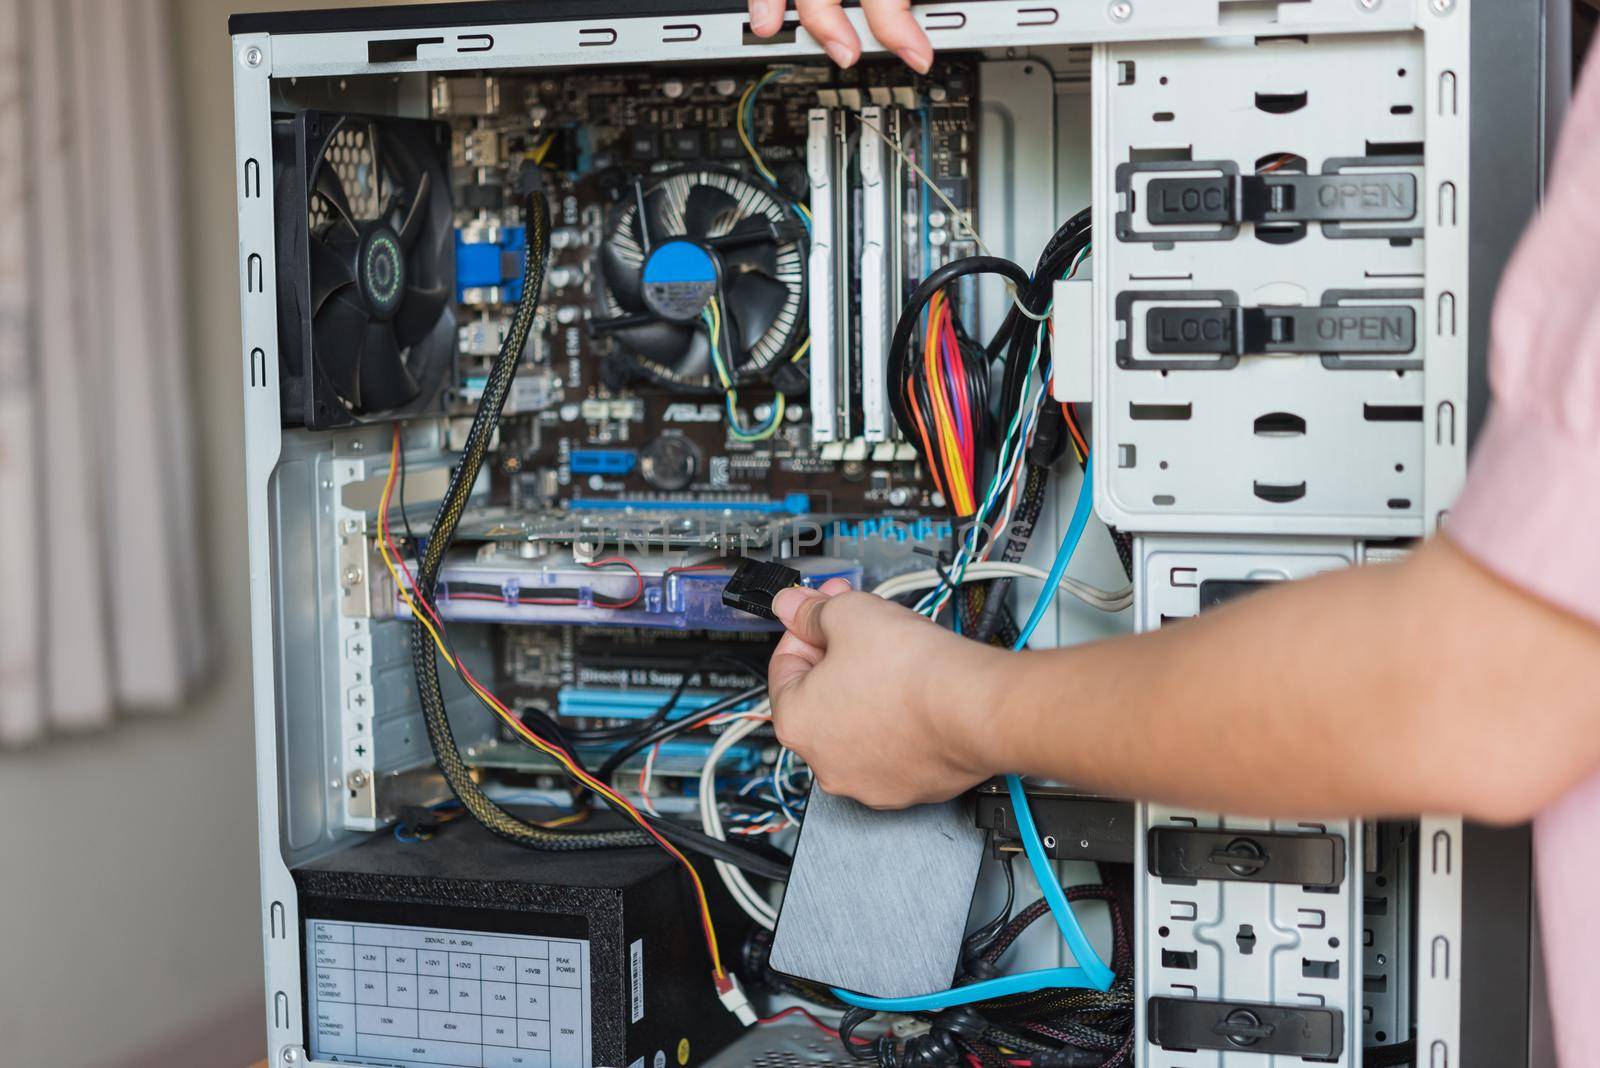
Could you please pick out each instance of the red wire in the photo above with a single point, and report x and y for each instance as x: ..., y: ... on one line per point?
x: 638, y: 591
x: 818, y: 1024
x: 422, y: 602
x: 950, y: 348
x: 927, y: 446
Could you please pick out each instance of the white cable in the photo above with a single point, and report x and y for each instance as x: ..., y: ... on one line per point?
x: 746, y: 896
x: 1104, y: 600
x: 963, y: 217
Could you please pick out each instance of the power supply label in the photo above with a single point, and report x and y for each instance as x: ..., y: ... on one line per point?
x: 421, y: 997
x: 636, y: 980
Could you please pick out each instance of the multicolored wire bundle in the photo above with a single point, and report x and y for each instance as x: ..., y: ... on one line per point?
x: 947, y: 394
x: 711, y: 316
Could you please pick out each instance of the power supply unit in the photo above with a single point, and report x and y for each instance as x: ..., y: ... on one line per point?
x: 467, y: 950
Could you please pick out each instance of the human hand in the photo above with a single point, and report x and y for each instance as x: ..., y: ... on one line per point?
x: 880, y: 702
x: 890, y: 20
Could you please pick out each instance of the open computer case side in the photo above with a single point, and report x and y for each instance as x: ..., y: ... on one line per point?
x: 1475, y: 893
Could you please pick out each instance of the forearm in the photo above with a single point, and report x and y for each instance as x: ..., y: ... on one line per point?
x: 1395, y: 689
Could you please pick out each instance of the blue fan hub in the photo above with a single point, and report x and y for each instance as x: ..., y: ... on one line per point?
x: 680, y: 278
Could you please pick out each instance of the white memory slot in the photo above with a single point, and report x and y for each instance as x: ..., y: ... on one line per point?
x: 880, y: 266
x: 822, y: 274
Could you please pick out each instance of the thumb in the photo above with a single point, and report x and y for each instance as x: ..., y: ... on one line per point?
x: 800, y: 610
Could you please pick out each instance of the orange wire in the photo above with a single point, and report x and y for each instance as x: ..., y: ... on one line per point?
x: 944, y: 418
x: 510, y: 719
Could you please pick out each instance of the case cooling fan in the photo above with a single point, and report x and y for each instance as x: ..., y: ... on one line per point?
x: 366, y: 260
x: 682, y: 238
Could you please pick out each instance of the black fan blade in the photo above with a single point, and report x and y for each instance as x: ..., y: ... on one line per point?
x: 660, y: 342
x: 664, y: 211
x: 754, y: 301
x: 694, y: 362
x: 336, y: 335
x: 385, y: 380
x: 331, y: 269
x: 332, y: 191
x: 412, y: 227
x: 625, y: 279
x: 749, y: 244
x: 709, y: 211
x: 419, y: 313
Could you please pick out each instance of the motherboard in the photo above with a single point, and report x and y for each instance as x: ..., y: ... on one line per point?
x: 618, y: 403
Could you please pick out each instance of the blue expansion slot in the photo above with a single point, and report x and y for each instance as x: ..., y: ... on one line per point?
x: 616, y: 462
x: 606, y: 703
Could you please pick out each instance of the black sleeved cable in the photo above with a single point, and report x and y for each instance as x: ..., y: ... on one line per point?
x: 912, y: 314
x: 1017, y: 538
x: 423, y: 652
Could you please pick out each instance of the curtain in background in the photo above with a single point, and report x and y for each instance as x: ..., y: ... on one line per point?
x: 98, y: 522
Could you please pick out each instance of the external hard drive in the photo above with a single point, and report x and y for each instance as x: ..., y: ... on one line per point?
x: 877, y: 902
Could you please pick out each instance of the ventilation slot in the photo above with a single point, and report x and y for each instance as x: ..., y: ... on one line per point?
x: 1163, y: 412
x: 784, y: 36
x: 1281, y: 103
x: 1280, y: 425
x: 1319, y: 969
x: 398, y: 49
x: 1392, y: 413
x: 1186, y: 961
x: 1394, y: 148
x: 1161, y: 155
x: 1280, y: 492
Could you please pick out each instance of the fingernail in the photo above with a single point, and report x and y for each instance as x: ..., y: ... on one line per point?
x: 918, y: 57
x: 765, y: 12
x: 788, y: 601
x: 841, y: 53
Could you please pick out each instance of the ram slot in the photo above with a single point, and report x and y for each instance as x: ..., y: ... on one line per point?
x: 830, y: 408
x: 881, y: 265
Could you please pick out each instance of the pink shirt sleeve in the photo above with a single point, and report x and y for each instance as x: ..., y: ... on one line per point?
x: 1531, y: 512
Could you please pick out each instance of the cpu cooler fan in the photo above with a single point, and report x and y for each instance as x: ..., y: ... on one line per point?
x: 678, y: 239
x: 366, y: 267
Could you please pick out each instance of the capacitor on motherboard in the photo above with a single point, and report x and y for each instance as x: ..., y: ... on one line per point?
x: 565, y: 277
x: 565, y: 237
x: 672, y: 88
x: 568, y: 314
x: 669, y: 462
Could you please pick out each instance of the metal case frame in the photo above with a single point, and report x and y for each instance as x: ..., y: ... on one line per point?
x: 567, y: 33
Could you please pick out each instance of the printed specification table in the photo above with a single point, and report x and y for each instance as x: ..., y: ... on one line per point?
x: 418, y: 996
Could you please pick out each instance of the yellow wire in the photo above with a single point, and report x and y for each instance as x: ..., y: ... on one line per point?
x: 749, y: 146
x: 961, y: 490
x: 521, y: 729
x: 755, y: 157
